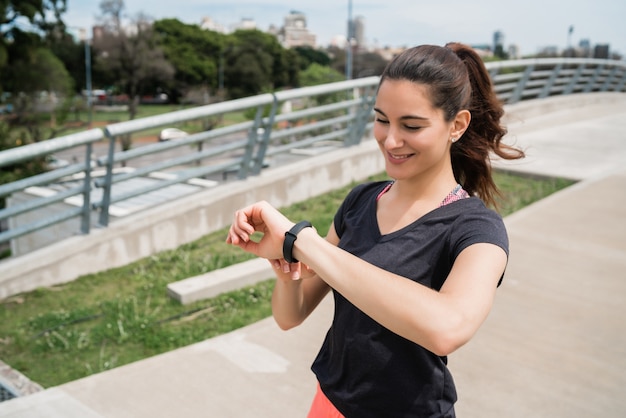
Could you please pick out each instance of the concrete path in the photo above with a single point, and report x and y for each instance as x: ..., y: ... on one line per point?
x: 553, y: 346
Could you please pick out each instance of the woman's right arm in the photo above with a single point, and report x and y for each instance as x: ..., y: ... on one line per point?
x: 294, y: 300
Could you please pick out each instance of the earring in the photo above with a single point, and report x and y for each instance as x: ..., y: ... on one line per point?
x: 453, y: 140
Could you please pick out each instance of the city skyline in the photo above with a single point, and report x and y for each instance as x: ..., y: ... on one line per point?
x: 532, y: 27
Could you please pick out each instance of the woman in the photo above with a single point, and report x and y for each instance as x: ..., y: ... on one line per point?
x: 414, y: 262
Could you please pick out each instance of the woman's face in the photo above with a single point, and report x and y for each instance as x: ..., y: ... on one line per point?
x: 412, y: 135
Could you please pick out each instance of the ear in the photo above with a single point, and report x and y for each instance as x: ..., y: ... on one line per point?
x: 460, y: 123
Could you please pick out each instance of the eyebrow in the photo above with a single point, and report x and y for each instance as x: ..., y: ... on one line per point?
x: 405, y: 117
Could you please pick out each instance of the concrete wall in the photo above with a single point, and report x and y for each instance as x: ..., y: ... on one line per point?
x: 170, y: 225
x: 187, y: 219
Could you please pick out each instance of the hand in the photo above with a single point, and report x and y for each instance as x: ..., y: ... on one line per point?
x: 291, y: 271
x: 260, y: 217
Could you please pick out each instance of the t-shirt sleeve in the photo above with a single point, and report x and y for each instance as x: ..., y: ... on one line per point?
x: 348, y: 203
x: 484, y: 226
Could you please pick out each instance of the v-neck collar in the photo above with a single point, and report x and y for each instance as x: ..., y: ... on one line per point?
x: 398, y: 232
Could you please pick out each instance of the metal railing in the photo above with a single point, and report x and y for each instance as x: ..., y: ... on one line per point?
x: 339, y: 114
x: 242, y: 148
x: 527, y: 79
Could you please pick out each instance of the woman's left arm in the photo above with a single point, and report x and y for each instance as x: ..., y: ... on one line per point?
x: 440, y: 321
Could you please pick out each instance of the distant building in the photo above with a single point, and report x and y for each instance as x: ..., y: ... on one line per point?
x: 294, y: 32
x: 97, y: 32
x: 245, y: 24
x: 514, y: 52
x: 389, y: 53
x: 601, y: 51
x: 549, y: 51
x: 498, y: 43
x: 585, y: 48
x: 209, y: 24
x: 339, y: 41
x: 274, y: 30
x: 358, y: 32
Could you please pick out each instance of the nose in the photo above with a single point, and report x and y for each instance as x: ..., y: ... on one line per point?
x: 392, y: 139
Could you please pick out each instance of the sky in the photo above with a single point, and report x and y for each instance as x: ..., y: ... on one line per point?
x: 530, y: 24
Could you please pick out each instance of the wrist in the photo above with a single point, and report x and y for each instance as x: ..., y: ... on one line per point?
x: 304, y: 245
x: 290, y: 238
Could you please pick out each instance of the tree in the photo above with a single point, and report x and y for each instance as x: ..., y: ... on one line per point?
x: 308, y: 56
x: 194, y: 52
x: 24, y: 58
x: 317, y: 74
x: 286, y: 69
x: 72, y: 53
x: 36, y: 13
x: 337, y: 59
x: 132, y: 55
x: 51, y: 94
x: 256, y: 62
x: 368, y: 64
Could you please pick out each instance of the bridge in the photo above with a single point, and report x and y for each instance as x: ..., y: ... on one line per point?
x: 553, y: 346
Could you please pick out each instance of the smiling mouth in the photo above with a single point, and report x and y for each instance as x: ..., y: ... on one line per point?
x: 399, y: 157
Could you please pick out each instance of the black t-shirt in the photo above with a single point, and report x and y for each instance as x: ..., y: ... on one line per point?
x: 365, y: 369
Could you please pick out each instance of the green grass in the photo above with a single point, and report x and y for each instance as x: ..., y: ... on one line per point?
x: 105, y: 320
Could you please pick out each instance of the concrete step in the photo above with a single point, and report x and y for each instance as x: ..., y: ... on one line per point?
x: 213, y: 283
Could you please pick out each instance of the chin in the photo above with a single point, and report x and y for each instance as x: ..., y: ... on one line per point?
x: 395, y: 174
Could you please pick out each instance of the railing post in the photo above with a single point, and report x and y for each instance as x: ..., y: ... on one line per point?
x: 594, y: 77
x: 517, y: 94
x: 85, y: 223
x: 572, y: 84
x: 621, y: 84
x: 361, y: 116
x: 108, y: 181
x: 545, y: 92
x: 609, y: 79
x: 350, y: 138
x: 246, y: 161
x: 263, y: 142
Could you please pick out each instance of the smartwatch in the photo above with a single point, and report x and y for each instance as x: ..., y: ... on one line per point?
x: 290, y: 239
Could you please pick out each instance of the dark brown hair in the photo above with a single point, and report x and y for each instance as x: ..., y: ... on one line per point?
x: 456, y: 79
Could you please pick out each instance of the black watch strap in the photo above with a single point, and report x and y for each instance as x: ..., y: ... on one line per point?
x: 290, y: 238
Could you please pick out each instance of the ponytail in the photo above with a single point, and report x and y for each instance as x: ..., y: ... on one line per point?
x: 471, y: 155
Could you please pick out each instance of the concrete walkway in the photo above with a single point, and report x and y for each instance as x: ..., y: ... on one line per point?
x: 553, y: 346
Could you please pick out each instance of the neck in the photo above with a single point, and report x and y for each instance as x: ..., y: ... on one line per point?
x: 424, y: 188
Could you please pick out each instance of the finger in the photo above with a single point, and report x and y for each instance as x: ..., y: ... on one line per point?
x: 237, y: 235
x: 275, y: 264
x: 243, y: 222
x: 285, y: 267
x: 233, y: 237
x: 295, y: 269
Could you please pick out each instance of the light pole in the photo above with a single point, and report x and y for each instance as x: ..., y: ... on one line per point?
x: 85, y: 39
x: 220, y: 76
x: 349, y: 43
x: 569, y: 36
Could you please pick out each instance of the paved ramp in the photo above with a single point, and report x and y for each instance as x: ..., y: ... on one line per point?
x: 554, y: 344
